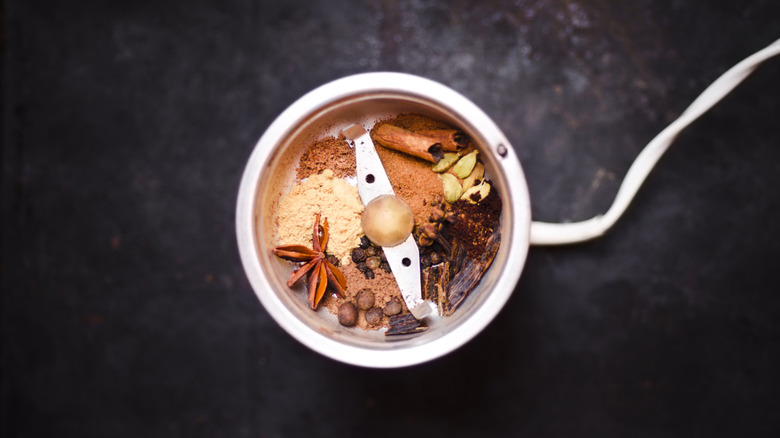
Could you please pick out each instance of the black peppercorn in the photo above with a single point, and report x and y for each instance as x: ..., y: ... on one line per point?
x: 385, y: 266
x: 370, y: 251
x: 369, y: 274
x: 358, y: 255
x: 364, y: 242
x: 373, y: 262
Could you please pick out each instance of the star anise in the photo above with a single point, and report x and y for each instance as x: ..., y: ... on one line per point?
x: 321, y: 271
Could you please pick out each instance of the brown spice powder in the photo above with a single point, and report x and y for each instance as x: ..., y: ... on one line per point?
x: 413, y: 181
x: 329, y: 153
x: 474, y: 223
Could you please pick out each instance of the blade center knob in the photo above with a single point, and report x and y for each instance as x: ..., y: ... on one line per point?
x: 387, y: 220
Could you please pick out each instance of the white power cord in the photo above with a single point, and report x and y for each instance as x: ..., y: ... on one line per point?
x: 543, y: 233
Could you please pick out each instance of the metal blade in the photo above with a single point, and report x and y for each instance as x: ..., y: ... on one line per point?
x: 404, y: 259
x: 372, y: 181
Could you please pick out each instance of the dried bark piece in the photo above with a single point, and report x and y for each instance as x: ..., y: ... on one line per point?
x: 451, y: 139
x: 408, y: 142
x: 404, y: 324
x: 434, y: 283
x: 467, y: 272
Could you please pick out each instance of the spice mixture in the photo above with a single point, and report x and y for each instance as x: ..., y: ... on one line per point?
x: 433, y: 168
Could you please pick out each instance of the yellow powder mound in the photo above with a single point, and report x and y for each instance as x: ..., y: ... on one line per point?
x: 335, y: 200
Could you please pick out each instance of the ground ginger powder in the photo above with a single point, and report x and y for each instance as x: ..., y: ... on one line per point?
x: 334, y: 199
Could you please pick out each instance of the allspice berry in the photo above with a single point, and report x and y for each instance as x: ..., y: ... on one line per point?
x: 374, y: 315
x: 347, y: 314
x: 393, y: 307
x: 365, y: 299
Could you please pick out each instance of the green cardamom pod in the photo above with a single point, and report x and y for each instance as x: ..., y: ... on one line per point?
x: 452, y: 189
x: 446, y: 162
x: 465, y: 165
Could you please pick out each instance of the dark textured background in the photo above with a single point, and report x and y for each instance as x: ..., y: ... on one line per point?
x: 125, y: 310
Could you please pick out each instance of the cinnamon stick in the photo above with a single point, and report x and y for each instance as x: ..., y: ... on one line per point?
x: 451, y: 140
x: 408, y: 142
